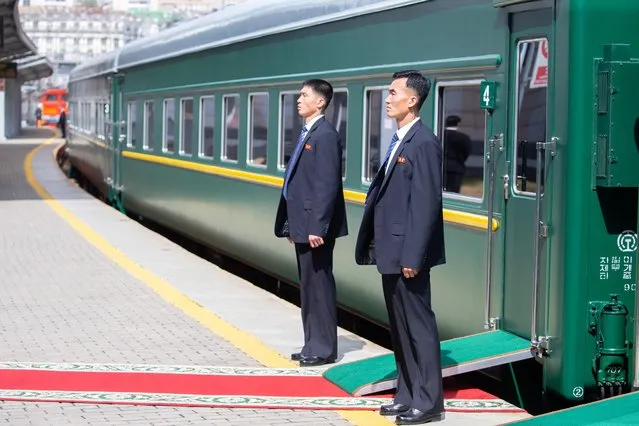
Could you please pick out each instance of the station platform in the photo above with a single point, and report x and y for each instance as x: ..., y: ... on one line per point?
x: 106, y: 322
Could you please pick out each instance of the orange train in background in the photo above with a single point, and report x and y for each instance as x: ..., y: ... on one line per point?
x: 51, y: 103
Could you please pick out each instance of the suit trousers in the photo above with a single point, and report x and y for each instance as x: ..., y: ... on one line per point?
x: 318, y: 299
x: 415, y: 341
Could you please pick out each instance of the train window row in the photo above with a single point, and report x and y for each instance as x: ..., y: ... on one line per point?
x: 258, y: 126
x: 460, y: 124
x: 90, y: 117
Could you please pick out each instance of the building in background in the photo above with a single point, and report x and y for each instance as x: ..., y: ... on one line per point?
x: 69, y: 32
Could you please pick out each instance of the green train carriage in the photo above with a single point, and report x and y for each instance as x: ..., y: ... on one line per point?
x: 198, y: 123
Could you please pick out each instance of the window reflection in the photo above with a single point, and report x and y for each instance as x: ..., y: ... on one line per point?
x: 207, y: 126
x: 231, y: 122
x: 291, y: 124
x: 462, y: 131
x: 531, y: 112
x: 379, y: 132
x: 169, y: 126
x: 337, y: 115
x: 148, y: 125
x: 132, y: 122
x: 186, y: 128
x: 258, y: 132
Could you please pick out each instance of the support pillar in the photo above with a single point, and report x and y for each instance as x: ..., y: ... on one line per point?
x: 2, y: 110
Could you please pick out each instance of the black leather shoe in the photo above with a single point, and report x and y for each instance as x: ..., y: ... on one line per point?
x: 313, y: 361
x: 296, y: 356
x: 417, y: 417
x: 393, y: 409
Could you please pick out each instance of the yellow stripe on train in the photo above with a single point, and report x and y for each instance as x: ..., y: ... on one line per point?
x: 452, y: 216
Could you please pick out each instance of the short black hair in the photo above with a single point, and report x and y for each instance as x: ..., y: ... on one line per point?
x: 321, y: 87
x: 453, y: 120
x: 417, y: 82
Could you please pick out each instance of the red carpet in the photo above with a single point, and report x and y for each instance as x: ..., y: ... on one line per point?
x: 296, y: 386
x: 205, y: 386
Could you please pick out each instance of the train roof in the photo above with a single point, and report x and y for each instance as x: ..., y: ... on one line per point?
x: 245, y: 21
x: 102, y: 64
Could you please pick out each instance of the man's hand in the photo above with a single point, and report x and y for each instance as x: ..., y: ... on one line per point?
x: 315, y: 241
x: 289, y: 240
x: 410, y: 273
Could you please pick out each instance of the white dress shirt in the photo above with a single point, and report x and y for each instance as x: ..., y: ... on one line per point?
x: 401, y: 134
x: 312, y: 121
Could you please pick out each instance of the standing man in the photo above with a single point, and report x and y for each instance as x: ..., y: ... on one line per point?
x: 312, y: 214
x: 402, y: 232
x: 62, y: 123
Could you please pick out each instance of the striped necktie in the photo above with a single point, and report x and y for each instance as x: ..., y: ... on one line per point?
x: 394, y: 141
x: 379, y: 175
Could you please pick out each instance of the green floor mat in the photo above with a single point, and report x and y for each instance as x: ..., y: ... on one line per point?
x: 357, y: 377
x: 620, y: 410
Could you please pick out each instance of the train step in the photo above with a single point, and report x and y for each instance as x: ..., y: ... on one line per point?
x: 460, y: 355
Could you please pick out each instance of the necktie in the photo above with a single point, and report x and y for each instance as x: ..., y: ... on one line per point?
x: 390, y: 149
x: 293, y: 160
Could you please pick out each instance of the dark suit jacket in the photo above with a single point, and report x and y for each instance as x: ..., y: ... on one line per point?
x: 456, y: 151
x: 403, y: 223
x: 315, y: 200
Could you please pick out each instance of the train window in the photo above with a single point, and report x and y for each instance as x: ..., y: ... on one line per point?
x: 87, y: 117
x: 231, y: 127
x: 186, y: 127
x: 378, y: 132
x: 337, y: 115
x: 291, y: 124
x: 461, y: 127
x: 290, y: 127
x: 94, y: 119
x: 207, y: 126
x: 168, y: 127
x: 102, y: 121
x: 532, y: 71
x: 132, y: 114
x: 258, y: 129
x: 148, y: 125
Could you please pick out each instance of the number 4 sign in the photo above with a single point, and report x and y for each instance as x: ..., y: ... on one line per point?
x: 488, y: 94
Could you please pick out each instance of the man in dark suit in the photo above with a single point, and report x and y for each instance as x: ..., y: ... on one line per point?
x: 312, y: 214
x: 62, y: 124
x: 457, y: 146
x: 402, y: 232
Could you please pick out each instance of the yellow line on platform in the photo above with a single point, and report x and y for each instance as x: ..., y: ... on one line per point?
x: 242, y: 340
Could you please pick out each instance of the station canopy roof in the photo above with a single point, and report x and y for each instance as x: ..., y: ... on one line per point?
x: 15, y: 46
x: 34, y: 67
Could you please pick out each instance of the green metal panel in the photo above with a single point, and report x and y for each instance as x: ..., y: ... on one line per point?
x: 616, y: 411
x: 593, y: 218
x: 617, y: 133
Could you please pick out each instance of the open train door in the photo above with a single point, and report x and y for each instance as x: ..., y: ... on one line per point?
x: 105, y: 110
x: 119, y: 140
x: 530, y: 150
